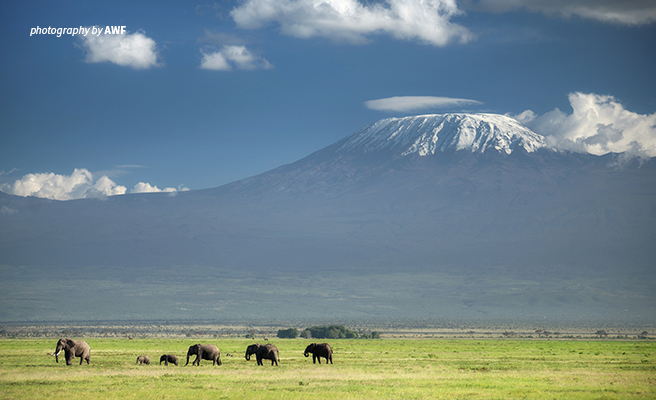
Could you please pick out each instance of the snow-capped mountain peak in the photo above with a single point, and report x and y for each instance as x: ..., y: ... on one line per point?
x: 429, y: 134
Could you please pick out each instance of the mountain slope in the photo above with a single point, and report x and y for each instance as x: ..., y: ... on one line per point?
x: 428, y: 134
x: 363, y: 229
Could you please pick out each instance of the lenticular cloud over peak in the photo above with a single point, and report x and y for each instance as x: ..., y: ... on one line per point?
x: 413, y: 103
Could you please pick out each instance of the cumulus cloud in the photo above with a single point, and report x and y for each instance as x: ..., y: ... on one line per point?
x: 134, y: 50
x: 428, y: 21
x: 598, y: 125
x: 412, y: 103
x: 144, y: 187
x: 80, y: 184
x: 625, y: 12
x: 230, y: 57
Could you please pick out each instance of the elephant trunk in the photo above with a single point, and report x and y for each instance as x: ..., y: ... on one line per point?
x: 248, y: 356
x: 57, y: 351
x: 306, y: 354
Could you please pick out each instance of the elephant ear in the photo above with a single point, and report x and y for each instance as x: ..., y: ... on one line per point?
x: 70, y: 343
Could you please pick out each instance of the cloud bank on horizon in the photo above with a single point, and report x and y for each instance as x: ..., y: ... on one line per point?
x: 81, y: 184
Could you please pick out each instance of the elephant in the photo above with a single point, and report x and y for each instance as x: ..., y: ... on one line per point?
x: 204, y: 352
x: 143, y: 360
x: 319, y: 350
x: 168, y: 358
x: 269, y: 351
x: 72, y: 349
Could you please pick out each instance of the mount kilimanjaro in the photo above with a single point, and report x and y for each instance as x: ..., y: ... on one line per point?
x: 454, y: 216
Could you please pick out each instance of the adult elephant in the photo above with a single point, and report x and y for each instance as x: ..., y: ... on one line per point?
x: 269, y: 352
x: 143, y: 360
x: 168, y: 358
x: 204, y: 352
x: 319, y: 350
x: 72, y: 349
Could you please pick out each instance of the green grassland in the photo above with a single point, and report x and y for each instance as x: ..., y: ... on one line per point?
x: 363, y: 369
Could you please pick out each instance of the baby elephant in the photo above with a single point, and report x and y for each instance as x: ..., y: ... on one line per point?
x: 168, y: 358
x: 143, y: 360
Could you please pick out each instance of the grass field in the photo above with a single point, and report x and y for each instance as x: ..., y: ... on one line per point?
x: 363, y: 369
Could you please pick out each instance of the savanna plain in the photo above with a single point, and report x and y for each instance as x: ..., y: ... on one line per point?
x: 502, y: 368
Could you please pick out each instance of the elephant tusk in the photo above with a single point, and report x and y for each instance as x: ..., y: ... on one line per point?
x: 57, y: 353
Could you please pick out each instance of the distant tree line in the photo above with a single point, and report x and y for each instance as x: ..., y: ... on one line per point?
x: 326, y: 332
x: 291, y: 333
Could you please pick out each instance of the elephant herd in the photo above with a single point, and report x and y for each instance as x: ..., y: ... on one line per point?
x: 79, y: 348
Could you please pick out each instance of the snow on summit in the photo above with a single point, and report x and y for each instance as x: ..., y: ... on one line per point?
x: 428, y: 134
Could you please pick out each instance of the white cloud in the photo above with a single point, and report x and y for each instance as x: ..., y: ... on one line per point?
x: 128, y: 50
x: 144, y: 187
x: 80, y: 184
x: 350, y: 20
x: 598, y: 125
x: 230, y: 57
x: 8, y: 210
x: 411, y: 103
x: 624, y: 12
x: 525, y: 117
x: 215, y: 61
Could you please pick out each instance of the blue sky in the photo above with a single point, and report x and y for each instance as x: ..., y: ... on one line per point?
x: 195, y: 95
